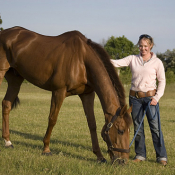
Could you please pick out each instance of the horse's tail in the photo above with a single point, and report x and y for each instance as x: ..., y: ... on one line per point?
x: 105, y: 58
x: 15, y: 103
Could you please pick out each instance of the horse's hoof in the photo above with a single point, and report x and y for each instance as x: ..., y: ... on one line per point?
x: 47, y: 154
x: 102, y: 160
x: 9, y: 146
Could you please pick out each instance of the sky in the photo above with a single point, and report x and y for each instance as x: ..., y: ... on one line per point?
x: 98, y: 20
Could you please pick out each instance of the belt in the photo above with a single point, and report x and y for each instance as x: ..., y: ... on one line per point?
x: 140, y: 94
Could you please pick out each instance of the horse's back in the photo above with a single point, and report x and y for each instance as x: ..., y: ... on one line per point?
x: 46, y: 61
x: 19, y: 33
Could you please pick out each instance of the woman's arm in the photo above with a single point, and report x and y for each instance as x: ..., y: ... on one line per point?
x: 122, y: 62
x: 161, y: 81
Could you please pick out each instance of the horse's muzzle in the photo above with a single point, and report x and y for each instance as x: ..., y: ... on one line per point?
x: 118, y: 161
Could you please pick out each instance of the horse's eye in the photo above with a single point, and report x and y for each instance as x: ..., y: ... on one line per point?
x: 121, y: 132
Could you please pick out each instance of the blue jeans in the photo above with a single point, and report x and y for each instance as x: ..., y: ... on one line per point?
x: 139, y: 105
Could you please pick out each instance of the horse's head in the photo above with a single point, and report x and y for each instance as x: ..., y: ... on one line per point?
x: 115, y: 133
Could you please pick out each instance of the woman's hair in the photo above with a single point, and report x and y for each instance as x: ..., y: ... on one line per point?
x: 148, y: 38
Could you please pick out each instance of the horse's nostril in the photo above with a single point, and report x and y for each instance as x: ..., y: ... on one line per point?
x: 123, y: 161
x: 118, y: 161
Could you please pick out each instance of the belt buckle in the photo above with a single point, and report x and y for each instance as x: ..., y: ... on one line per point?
x: 137, y: 95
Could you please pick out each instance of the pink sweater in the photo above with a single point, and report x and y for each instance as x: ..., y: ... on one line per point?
x: 144, y: 74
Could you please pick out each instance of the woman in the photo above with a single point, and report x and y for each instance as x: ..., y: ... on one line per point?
x: 146, y: 68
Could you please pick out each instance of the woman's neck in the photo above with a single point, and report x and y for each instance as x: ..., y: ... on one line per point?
x: 146, y: 57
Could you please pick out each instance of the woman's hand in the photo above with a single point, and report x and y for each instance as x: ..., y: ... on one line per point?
x: 153, y: 102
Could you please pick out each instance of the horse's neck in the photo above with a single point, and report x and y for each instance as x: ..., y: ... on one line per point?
x: 104, y: 88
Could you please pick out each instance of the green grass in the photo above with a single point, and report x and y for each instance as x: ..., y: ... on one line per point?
x: 70, y: 141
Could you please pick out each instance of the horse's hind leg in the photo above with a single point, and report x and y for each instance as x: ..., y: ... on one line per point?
x: 56, y: 102
x: 4, y: 65
x: 88, y: 104
x: 2, y: 73
x: 14, y: 83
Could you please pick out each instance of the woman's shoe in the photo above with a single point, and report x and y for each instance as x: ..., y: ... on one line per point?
x: 163, y: 162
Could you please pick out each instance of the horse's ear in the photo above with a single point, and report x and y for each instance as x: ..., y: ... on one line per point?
x: 129, y: 110
x: 123, y: 110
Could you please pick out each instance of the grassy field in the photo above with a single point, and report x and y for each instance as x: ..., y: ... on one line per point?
x: 70, y: 141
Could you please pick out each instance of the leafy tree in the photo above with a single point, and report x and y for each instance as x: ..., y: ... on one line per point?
x: 168, y: 59
x: 118, y: 48
x: 170, y: 76
x: 162, y: 58
x: 1, y: 23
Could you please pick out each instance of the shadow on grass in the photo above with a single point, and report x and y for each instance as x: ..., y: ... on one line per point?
x: 55, y: 151
x: 53, y: 142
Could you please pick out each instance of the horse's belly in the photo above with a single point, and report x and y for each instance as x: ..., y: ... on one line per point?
x: 80, y: 90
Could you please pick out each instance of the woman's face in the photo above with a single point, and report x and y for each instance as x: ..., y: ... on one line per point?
x: 144, y: 47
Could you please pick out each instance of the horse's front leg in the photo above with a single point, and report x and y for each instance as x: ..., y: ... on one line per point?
x: 88, y: 104
x: 56, y: 102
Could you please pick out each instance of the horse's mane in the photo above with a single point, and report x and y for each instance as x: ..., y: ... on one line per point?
x: 105, y: 58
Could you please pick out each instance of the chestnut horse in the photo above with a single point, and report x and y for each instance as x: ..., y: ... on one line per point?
x: 68, y: 64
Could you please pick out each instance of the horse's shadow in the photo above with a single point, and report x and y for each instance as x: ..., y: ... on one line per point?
x: 55, y: 151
